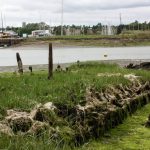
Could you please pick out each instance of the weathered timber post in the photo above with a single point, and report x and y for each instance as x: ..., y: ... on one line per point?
x: 50, y: 62
x: 20, y: 65
x: 30, y: 68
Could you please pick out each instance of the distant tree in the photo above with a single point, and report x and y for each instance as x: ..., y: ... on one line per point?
x: 29, y: 28
x: 8, y: 28
x: 57, y: 30
x: 85, y: 29
x: 97, y: 28
x: 120, y: 29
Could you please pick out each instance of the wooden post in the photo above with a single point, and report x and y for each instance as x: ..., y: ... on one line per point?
x: 20, y: 65
x: 50, y: 62
x: 30, y: 68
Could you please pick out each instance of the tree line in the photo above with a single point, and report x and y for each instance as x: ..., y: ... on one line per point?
x: 96, y: 29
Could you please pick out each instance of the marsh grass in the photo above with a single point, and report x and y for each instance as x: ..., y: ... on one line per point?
x: 127, y: 38
x: 131, y: 135
x: 25, y: 91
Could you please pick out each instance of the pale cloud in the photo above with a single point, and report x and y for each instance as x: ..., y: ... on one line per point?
x: 75, y: 12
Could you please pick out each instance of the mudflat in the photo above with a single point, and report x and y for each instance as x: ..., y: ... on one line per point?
x: 38, y: 67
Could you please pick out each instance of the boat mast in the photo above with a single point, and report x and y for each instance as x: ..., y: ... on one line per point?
x: 62, y: 16
x: 2, y: 21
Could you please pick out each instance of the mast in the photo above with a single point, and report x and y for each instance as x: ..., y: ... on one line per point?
x: 2, y: 21
x: 4, y: 16
x: 62, y: 17
x: 120, y: 19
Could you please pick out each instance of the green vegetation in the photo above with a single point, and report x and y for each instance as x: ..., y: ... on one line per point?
x: 24, y: 92
x: 65, y: 87
x: 131, y: 135
x: 133, y: 34
x: 84, y: 29
x: 125, y: 35
x: 28, y: 28
x: 127, y: 38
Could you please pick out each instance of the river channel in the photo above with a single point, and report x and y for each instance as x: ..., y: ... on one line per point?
x: 33, y: 55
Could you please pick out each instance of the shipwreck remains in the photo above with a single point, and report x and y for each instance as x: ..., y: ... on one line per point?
x: 101, y: 111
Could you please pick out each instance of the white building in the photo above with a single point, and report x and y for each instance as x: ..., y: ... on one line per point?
x: 38, y: 33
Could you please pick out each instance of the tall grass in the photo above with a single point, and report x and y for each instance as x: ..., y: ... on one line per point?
x: 131, y: 135
x: 25, y: 91
x: 127, y: 38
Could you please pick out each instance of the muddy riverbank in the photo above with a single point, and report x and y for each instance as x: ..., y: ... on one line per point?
x: 40, y: 67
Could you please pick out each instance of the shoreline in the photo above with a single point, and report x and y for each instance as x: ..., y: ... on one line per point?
x: 43, y: 67
x: 89, y: 43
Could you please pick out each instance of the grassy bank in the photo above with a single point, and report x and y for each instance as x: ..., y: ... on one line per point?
x: 131, y: 135
x: 65, y: 87
x: 24, y: 92
x: 130, y: 38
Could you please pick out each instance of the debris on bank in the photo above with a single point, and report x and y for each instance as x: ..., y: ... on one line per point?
x: 101, y: 111
x: 109, y: 74
x: 144, y: 65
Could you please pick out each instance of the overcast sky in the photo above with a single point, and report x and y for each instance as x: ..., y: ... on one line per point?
x: 80, y: 12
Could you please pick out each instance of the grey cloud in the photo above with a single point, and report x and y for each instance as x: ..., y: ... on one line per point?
x: 75, y: 11
x: 75, y: 6
x: 90, y: 5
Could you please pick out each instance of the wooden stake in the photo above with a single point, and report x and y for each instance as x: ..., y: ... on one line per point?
x: 20, y: 65
x: 30, y: 68
x: 50, y: 62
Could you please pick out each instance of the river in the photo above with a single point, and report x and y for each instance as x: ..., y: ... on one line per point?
x: 32, y: 55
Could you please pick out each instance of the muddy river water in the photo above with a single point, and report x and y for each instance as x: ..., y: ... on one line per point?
x: 32, y: 55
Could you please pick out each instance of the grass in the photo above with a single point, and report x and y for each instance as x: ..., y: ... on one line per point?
x: 65, y: 87
x: 127, y: 38
x: 131, y: 135
x: 24, y: 92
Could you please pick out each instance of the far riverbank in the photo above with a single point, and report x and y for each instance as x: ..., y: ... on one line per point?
x: 126, y: 39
